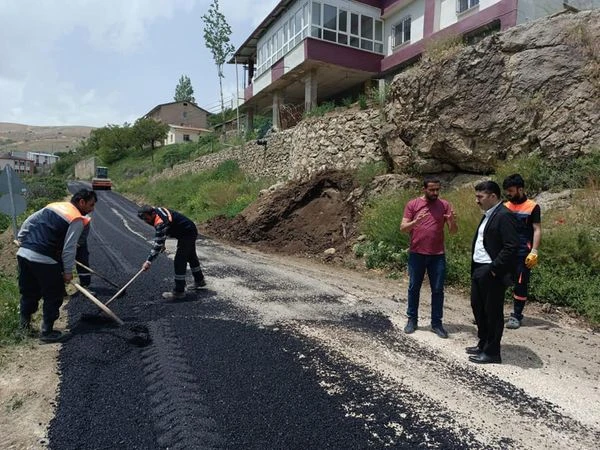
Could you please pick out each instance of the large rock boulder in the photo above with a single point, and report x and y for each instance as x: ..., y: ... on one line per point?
x: 534, y: 87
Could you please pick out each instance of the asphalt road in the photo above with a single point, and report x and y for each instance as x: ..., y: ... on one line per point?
x: 248, y: 362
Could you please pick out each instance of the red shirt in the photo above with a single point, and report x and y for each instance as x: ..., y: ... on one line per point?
x: 427, y: 237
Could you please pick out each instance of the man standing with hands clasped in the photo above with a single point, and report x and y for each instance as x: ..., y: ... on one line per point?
x: 424, y: 218
x: 495, y: 249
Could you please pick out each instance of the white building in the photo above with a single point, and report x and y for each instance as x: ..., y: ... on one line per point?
x: 178, y: 134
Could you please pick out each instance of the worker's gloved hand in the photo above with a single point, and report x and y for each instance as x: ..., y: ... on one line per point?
x: 67, y: 277
x: 531, y: 260
x: 146, y: 265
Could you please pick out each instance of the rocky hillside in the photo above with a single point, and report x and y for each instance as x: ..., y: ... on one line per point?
x: 532, y: 88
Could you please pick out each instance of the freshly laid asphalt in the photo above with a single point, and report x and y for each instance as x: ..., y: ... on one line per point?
x: 202, y: 373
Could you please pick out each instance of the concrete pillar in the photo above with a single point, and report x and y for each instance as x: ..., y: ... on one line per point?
x: 249, y: 120
x: 310, y: 91
x: 276, y: 110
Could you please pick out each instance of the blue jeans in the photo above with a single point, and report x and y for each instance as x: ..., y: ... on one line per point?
x: 435, y: 266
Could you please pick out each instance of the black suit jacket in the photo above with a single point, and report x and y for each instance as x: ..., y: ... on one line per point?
x: 501, y: 242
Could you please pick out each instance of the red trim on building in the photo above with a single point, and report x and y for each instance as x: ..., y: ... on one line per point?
x: 375, y: 3
x: 339, y: 55
x: 277, y: 70
x: 429, y: 17
x: 505, y: 11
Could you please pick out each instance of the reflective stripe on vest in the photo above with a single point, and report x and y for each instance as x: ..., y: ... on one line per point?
x: 158, y: 219
x: 68, y: 211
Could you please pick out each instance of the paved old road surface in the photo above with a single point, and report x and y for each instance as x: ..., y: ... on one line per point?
x: 280, y: 354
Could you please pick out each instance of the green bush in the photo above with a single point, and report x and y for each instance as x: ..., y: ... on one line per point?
x: 362, y: 101
x: 225, y: 190
x: 9, y: 310
x: 320, y: 110
x: 544, y: 174
x: 366, y: 173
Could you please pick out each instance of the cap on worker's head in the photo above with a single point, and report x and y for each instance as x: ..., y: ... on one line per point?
x: 145, y: 209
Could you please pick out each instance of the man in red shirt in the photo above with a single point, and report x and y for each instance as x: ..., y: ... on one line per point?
x: 424, y: 218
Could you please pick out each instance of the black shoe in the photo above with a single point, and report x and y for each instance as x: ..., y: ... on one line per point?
x: 51, y: 336
x: 473, y: 350
x: 196, y: 285
x: 411, y: 326
x: 47, y: 327
x: 482, y: 358
x: 439, y: 330
x: 173, y: 295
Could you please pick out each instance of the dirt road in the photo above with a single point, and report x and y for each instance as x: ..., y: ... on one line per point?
x: 280, y: 352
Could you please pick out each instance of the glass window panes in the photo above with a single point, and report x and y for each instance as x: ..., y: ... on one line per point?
x: 378, y: 30
x: 329, y: 35
x: 343, y: 20
x: 329, y: 17
x: 316, y: 13
x: 365, y: 44
x: 354, y: 42
x: 342, y: 38
x: 354, y: 24
x: 298, y: 21
x: 402, y: 31
x: 463, y: 5
x: 407, y: 23
x: 366, y: 27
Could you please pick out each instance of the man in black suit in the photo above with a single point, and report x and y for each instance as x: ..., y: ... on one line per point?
x: 495, y: 252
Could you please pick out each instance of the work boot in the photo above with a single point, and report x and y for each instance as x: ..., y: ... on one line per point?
x: 196, y: 285
x: 49, y: 334
x: 174, y: 295
x: 411, y: 326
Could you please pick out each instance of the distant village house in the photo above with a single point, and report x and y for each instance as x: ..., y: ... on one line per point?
x: 19, y: 165
x: 187, y: 121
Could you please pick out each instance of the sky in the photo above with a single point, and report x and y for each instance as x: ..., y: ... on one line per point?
x: 99, y: 62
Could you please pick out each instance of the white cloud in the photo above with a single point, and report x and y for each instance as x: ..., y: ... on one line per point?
x: 36, y: 83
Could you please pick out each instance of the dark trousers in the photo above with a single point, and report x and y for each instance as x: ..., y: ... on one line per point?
x: 83, y: 256
x: 487, y: 301
x: 186, y: 254
x: 521, y: 291
x: 38, y: 280
x: 435, y: 266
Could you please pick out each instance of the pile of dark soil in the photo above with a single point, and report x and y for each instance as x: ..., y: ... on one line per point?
x: 299, y: 218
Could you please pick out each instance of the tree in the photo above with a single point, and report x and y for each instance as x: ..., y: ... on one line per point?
x: 147, y: 132
x: 112, y: 141
x: 216, y: 38
x: 184, y: 92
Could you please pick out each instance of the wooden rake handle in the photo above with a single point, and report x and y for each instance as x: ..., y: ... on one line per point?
x: 97, y: 274
x: 125, y: 287
x: 98, y: 303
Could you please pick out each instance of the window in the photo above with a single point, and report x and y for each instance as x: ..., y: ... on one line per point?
x: 184, y: 114
x: 463, y: 5
x: 330, y: 23
x: 186, y: 138
x: 401, y: 32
